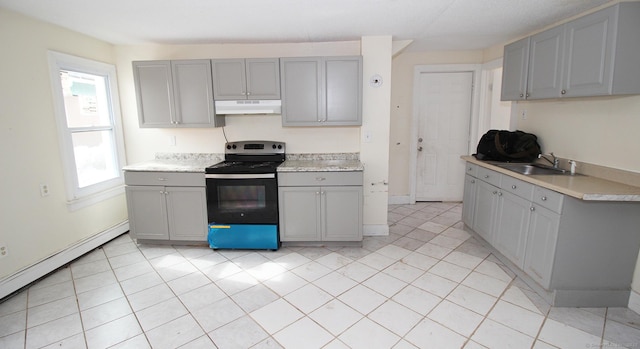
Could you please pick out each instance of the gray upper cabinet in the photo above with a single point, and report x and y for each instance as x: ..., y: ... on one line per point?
x: 546, y: 50
x: 251, y: 78
x: 594, y: 55
x: 514, y: 70
x: 321, y: 91
x: 154, y: 91
x: 175, y: 94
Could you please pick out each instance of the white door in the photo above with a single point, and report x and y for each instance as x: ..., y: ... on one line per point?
x: 443, y: 134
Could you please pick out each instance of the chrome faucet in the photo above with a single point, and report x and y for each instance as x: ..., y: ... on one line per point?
x: 555, y: 161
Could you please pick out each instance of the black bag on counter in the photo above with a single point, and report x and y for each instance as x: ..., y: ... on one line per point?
x: 508, y: 146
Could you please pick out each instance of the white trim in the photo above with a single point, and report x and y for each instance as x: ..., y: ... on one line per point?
x: 24, y: 277
x: 475, y: 69
x: 86, y: 201
x: 82, y: 197
x: 375, y: 230
x: 634, y: 301
x: 399, y: 200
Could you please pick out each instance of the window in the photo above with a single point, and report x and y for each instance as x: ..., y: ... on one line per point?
x: 87, y: 115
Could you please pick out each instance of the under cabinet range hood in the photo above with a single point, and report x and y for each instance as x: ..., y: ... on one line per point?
x: 248, y: 107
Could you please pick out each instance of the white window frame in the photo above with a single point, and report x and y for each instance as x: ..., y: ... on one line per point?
x: 77, y: 197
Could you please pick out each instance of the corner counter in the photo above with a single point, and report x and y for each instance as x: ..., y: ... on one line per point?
x: 583, y: 187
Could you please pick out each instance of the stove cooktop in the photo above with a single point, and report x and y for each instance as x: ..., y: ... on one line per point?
x: 244, y: 167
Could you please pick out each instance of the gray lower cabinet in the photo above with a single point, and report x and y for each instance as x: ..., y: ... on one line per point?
x: 166, y: 206
x: 251, y: 78
x: 321, y: 91
x: 175, y: 94
x: 541, y: 244
x: 512, y: 226
x: 582, y: 253
x: 310, y: 212
x: 469, y: 199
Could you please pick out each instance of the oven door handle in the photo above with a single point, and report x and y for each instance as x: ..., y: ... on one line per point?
x: 240, y: 176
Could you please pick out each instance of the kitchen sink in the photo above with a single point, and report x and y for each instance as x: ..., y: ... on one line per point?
x: 533, y: 169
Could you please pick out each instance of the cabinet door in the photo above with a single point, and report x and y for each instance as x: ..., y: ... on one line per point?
x: 468, y: 200
x: 147, y: 212
x: 229, y: 79
x: 192, y: 89
x: 546, y: 52
x: 302, y: 98
x: 299, y: 210
x: 343, y: 90
x: 541, y: 244
x: 341, y: 213
x: 589, y: 56
x: 512, y: 224
x: 187, y: 213
x: 154, y: 92
x: 263, y: 78
x: 485, y: 210
x: 514, y: 73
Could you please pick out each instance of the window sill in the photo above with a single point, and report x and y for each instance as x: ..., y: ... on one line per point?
x: 86, y: 201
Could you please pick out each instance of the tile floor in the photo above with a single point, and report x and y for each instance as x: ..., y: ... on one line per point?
x: 428, y: 284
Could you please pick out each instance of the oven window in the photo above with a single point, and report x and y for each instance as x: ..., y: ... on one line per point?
x: 232, y: 197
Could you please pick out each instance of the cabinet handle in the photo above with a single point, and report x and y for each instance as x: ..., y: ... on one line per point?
x: 499, y: 193
x: 162, y: 179
x: 544, y: 198
x: 514, y: 186
x: 473, y: 181
x: 248, y: 93
x: 532, y: 208
x: 527, y: 94
x: 470, y: 168
x: 320, y: 179
x: 564, y: 92
x: 521, y: 95
x: 495, y: 192
x: 486, y: 176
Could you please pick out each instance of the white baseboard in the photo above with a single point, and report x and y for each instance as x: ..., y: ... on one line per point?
x: 18, y: 280
x: 634, y: 301
x: 375, y: 230
x: 399, y: 200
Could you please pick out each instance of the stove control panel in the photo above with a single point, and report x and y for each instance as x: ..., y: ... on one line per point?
x: 255, y: 147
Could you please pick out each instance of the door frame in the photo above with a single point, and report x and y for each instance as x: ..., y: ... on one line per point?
x: 475, y: 70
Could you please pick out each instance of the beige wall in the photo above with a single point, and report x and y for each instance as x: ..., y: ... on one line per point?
x: 35, y: 227
x: 402, y: 109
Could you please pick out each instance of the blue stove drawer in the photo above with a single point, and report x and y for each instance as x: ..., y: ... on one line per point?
x: 243, y: 236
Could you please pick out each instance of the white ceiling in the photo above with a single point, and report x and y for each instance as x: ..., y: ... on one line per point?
x: 432, y: 24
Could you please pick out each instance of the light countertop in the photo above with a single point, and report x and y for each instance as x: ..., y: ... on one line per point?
x: 582, y: 187
x: 177, y: 163
x: 320, y: 165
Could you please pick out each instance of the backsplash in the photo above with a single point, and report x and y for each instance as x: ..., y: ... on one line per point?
x: 324, y: 156
x: 211, y: 157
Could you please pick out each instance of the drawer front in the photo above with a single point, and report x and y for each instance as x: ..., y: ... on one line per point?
x: 185, y: 179
x: 549, y: 199
x: 489, y: 176
x: 517, y: 187
x: 472, y: 169
x: 303, y: 179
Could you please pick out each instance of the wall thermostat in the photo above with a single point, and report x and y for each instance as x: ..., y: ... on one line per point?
x: 375, y: 81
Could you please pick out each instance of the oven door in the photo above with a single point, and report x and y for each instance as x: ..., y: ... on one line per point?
x: 242, y: 198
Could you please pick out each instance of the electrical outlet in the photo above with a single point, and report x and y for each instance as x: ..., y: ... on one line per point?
x: 44, y: 189
x: 4, y: 251
x: 523, y: 112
